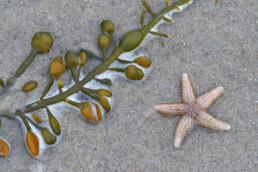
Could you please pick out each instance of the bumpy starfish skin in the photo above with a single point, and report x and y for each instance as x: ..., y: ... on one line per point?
x: 193, y: 110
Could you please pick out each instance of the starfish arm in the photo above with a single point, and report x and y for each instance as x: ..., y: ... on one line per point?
x: 183, y: 126
x: 187, y: 89
x: 207, y: 99
x: 209, y: 121
x: 171, y: 108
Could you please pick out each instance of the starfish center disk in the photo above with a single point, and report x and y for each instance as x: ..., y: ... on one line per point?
x: 193, y: 109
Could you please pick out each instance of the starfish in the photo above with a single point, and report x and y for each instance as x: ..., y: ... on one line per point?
x: 192, y: 110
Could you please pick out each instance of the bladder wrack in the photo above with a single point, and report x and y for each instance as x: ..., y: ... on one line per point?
x: 40, y: 135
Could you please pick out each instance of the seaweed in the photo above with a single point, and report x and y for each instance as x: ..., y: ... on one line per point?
x: 93, y: 86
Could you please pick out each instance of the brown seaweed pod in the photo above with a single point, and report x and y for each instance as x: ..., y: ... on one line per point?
x: 32, y: 142
x: 4, y: 148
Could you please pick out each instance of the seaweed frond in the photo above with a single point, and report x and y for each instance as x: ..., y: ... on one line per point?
x: 93, y: 87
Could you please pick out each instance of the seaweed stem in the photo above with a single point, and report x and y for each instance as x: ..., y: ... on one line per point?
x: 21, y: 115
x: 21, y: 69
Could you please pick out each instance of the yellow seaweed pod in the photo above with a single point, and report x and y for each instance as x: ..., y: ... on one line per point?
x: 36, y: 118
x: 104, y: 92
x: 143, y: 61
x: 60, y: 83
x: 57, y: 67
x: 29, y: 86
x: 87, y: 111
x: 32, y: 143
x: 133, y: 73
x: 104, y: 103
x: 104, y: 41
x: 83, y: 57
x: 4, y: 148
x: 43, y: 41
x: 99, y: 113
x: 48, y: 137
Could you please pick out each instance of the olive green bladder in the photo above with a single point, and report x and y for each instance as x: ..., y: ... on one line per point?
x: 53, y: 122
x: 107, y: 26
x: 131, y: 40
x: 49, y: 138
x: 72, y: 61
x: 29, y: 86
